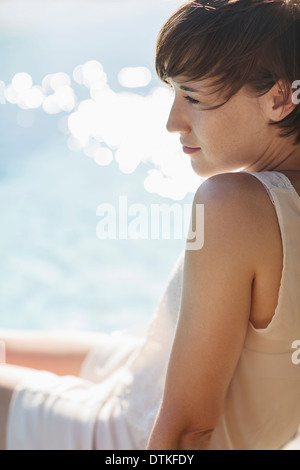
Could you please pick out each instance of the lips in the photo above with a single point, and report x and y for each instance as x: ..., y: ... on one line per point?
x: 190, y: 150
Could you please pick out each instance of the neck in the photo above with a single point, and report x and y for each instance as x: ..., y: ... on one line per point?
x: 281, y: 154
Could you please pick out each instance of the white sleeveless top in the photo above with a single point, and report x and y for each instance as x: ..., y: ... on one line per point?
x: 262, y: 408
x: 263, y: 403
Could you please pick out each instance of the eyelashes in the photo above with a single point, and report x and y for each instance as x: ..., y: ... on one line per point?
x: 191, y: 100
x: 201, y: 106
x: 188, y: 98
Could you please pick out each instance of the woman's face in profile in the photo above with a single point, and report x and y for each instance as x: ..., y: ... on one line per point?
x: 234, y: 136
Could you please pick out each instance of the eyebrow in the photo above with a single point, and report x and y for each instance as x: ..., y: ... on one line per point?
x: 185, y: 88
x: 191, y: 90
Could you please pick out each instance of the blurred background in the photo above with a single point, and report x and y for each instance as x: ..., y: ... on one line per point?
x: 83, y: 119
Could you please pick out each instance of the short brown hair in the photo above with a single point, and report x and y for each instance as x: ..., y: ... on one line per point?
x: 252, y: 43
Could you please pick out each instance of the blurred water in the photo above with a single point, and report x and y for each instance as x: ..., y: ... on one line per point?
x: 55, y: 272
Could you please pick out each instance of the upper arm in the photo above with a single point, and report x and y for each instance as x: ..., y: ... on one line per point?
x: 215, y: 308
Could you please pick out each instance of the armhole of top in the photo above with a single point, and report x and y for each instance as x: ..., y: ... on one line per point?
x: 283, y: 274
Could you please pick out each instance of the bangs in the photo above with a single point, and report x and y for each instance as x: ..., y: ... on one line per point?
x: 201, y: 41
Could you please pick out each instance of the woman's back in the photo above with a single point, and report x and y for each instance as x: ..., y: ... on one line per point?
x: 262, y: 408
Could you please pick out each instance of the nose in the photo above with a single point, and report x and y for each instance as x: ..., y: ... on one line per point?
x: 178, y: 121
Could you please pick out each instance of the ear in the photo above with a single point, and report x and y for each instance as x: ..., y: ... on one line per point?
x: 279, y: 108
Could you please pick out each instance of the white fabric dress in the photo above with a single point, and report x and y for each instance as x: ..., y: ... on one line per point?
x: 113, y: 405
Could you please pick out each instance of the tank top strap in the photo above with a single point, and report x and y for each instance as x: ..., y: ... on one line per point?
x: 287, y: 206
x: 273, y: 181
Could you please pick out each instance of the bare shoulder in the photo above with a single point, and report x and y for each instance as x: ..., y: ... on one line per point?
x: 238, y: 193
x: 226, y: 186
x: 235, y: 194
x: 238, y: 208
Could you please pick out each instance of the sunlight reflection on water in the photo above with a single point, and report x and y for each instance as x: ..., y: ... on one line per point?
x: 84, y: 121
x: 126, y: 123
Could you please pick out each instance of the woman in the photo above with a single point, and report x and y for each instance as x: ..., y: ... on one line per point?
x: 216, y: 369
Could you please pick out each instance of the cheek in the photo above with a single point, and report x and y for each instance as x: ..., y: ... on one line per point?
x: 230, y: 131
x: 215, y: 131
x: 207, y: 126
x: 226, y: 142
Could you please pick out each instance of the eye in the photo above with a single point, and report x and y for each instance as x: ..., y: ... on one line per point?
x: 191, y: 100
